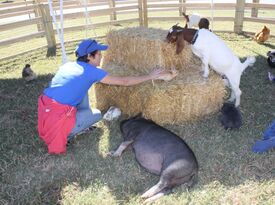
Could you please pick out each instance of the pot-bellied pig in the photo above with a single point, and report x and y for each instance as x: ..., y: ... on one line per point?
x: 160, y: 152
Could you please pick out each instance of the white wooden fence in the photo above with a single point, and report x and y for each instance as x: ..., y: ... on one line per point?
x: 21, y: 13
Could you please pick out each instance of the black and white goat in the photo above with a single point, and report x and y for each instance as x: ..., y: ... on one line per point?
x: 213, y: 52
x: 195, y: 20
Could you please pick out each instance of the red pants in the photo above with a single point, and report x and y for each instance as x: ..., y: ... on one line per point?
x: 55, y: 122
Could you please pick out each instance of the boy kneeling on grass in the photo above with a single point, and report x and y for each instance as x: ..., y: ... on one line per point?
x: 63, y: 108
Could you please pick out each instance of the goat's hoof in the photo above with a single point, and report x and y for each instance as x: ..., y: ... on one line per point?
x: 205, y: 75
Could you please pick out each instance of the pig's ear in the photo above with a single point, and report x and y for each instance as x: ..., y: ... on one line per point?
x: 139, y: 115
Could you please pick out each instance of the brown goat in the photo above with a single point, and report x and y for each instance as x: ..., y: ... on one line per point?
x: 178, y: 35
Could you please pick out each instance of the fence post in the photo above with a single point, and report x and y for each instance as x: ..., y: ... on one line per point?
x: 48, y: 28
x: 26, y: 3
x: 181, y: 8
x: 112, y: 4
x: 254, y: 11
x: 239, y: 16
x: 37, y: 14
x: 145, y: 14
x: 140, y: 12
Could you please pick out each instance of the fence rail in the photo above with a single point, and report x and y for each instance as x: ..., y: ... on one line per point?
x: 22, y: 38
x: 144, y: 10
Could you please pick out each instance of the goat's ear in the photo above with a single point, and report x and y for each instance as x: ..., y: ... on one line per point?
x: 179, y: 43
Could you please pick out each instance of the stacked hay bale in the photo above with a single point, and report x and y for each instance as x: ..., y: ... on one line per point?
x: 137, y: 51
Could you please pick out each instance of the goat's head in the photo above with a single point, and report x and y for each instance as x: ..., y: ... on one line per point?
x: 174, y: 36
x: 173, y: 33
x: 204, y: 23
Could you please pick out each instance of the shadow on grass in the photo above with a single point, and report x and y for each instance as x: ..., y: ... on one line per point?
x: 250, y: 37
x: 29, y: 174
x: 269, y: 45
x: 85, y: 174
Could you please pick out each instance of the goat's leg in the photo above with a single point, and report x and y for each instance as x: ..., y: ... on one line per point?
x: 205, y: 67
x: 238, y: 93
x: 120, y: 149
x: 205, y: 61
x: 232, y: 96
x: 235, y: 90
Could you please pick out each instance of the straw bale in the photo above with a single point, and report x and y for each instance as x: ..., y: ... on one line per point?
x: 136, y: 51
x: 142, y: 48
x: 187, y: 97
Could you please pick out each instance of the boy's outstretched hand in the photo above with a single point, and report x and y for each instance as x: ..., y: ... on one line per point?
x: 166, y: 75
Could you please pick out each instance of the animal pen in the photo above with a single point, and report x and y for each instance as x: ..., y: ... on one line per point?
x: 134, y: 50
x: 34, y: 20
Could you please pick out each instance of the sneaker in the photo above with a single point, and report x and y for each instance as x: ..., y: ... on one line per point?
x: 85, y: 131
x: 271, y: 77
x: 270, y: 131
x: 262, y: 146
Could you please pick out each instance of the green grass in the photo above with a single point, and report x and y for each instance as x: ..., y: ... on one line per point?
x: 230, y: 173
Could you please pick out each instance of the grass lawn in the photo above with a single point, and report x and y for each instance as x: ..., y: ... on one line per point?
x: 230, y: 173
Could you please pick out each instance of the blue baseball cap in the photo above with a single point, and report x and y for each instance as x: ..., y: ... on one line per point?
x: 88, y: 46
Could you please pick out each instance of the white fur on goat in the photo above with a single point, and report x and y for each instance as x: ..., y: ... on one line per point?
x: 194, y: 20
x: 214, y: 52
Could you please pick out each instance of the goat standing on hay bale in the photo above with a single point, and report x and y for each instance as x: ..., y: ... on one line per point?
x: 262, y: 36
x: 195, y: 20
x: 214, y: 52
x: 63, y: 108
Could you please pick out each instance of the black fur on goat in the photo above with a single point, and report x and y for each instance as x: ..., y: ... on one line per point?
x: 271, y: 58
x: 231, y: 116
